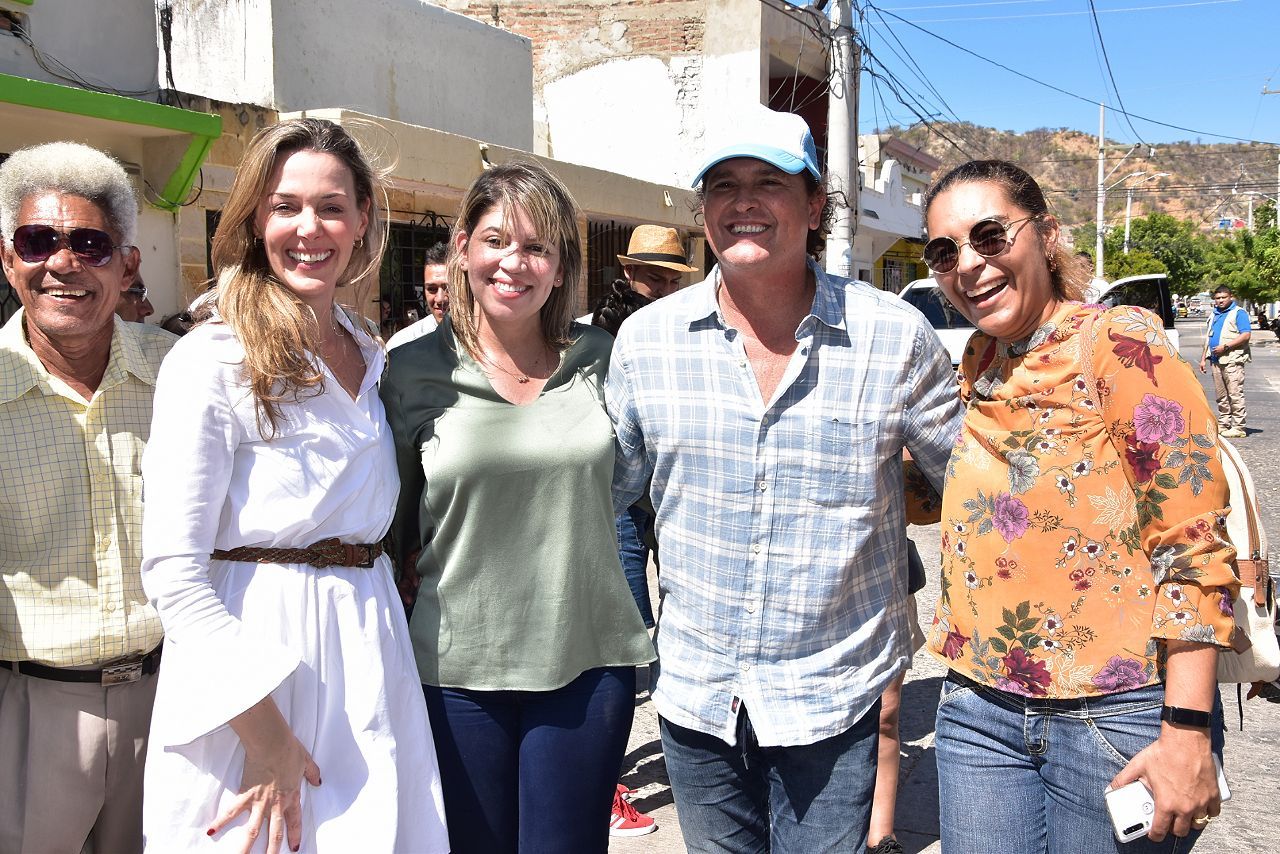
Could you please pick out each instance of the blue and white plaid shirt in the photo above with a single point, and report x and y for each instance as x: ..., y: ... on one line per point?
x: 781, y: 526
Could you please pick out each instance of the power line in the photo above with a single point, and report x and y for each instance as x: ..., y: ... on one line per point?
x: 1059, y: 89
x: 1075, y: 14
x: 1110, y: 74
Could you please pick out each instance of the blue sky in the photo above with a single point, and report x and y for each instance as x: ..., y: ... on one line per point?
x: 1196, y: 64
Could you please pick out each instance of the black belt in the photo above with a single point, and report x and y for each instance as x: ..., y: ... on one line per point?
x: 113, y: 674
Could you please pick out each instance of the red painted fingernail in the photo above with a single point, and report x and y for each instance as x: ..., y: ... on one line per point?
x: 294, y: 849
x: 209, y: 832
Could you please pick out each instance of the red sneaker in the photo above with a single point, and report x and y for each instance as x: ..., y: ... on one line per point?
x: 625, y: 793
x: 626, y: 820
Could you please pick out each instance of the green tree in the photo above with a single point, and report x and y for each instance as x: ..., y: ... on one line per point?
x: 1137, y: 262
x: 1175, y: 244
x: 1248, y: 261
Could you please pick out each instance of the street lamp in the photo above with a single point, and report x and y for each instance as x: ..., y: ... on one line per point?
x: 1103, y: 188
x: 1128, y: 201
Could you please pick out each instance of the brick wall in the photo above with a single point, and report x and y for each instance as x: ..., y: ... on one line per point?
x: 569, y: 35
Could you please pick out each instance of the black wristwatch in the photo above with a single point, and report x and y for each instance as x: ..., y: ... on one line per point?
x: 1186, y: 717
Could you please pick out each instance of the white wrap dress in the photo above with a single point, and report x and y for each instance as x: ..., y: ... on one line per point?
x: 331, y: 646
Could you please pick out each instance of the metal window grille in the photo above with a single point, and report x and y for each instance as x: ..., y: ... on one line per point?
x: 400, y: 279
x: 605, y: 242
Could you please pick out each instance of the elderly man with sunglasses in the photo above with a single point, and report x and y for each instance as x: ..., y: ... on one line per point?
x: 770, y: 404
x: 79, y: 644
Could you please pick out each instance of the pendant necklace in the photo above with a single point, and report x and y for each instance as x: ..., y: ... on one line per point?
x: 518, y: 376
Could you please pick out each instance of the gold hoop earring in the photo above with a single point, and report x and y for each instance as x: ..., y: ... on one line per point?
x: 359, y: 242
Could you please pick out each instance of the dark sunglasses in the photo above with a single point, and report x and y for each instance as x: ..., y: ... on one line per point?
x: 988, y: 237
x: 136, y: 291
x: 37, y: 243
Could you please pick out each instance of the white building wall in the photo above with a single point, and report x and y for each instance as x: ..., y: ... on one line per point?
x: 405, y: 60
x: 221, y: 49
x: 637, y: 124
x: 110, y: 45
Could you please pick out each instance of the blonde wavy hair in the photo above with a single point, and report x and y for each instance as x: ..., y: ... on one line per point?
x: 279, y: 332
x: 526, y: 185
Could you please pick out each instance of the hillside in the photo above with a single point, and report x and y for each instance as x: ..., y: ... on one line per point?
x: 1065, y: 162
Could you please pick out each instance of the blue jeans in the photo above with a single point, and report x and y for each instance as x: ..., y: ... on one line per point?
x: 747, y: 798
x: 532, y: 771
x: 635, y: 558
x: 1019, y: 774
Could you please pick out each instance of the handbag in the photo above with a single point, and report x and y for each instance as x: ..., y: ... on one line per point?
x: 1254, y: 656
x: 1255, y: 651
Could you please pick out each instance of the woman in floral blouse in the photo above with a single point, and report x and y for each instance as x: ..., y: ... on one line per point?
x: 1086, y: 582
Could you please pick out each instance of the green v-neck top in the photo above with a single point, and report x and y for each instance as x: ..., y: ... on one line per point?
x: 521, y: 584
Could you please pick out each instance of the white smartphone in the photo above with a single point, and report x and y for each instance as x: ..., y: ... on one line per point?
x: 1132, y: 808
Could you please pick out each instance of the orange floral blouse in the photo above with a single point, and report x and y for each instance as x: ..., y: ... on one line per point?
x: 1074, y: 541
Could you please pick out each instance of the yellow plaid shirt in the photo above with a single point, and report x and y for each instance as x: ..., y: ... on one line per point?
x: 71, y: 503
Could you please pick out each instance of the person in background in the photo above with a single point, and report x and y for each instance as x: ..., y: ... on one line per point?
x: 270, y: 486
x: 1086, y: 582
x: 526, y: 636
x: 768, y: 408
x: 79, y: 644
x: 880, y: 836
x: 1226, y: 348
x: 179, y: 324
x: 133, y: 305
x: 652, y: 268
x: 435, y: 281
x: 435, y: 290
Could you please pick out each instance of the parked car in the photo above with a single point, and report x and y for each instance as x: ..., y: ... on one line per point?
x: 1149, y: 291
x: 952, y: 327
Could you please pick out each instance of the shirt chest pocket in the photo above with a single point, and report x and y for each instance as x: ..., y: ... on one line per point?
x: 840, y: 462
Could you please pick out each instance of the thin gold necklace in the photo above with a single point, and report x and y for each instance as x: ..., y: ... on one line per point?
x: 518, y: 376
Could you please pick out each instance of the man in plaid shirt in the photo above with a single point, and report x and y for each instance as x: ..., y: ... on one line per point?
x: 771, y: 405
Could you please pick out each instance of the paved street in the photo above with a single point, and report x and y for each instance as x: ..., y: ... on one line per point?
x: 1252, y: 755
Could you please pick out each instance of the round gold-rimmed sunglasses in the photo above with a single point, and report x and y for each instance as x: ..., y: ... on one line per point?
x: 988, y: 237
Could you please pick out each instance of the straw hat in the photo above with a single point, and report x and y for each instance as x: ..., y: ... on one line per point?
x: 657, y: 246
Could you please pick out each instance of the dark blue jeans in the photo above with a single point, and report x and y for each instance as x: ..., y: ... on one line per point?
x: 532, y: 771
x: 748, y: 799
x: 635, y: 558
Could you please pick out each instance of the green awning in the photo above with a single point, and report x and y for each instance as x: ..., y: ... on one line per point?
x: 204, y: 128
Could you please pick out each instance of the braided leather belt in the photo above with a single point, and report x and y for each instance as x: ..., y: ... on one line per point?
x: 321, y: 555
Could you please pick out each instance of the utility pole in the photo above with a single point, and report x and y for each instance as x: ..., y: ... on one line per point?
x: 842, y: 135
x: 1102, y: 188
x: 1267, y: 91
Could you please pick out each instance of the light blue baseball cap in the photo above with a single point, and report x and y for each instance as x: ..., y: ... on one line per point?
x: 779, y: 139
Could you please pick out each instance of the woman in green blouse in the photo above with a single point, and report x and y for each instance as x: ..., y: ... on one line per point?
x: 525, y: 632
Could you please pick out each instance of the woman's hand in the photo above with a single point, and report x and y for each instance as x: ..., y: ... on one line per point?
x: 275, y: 764
x: 408, y: 580
x: 1178, y: 769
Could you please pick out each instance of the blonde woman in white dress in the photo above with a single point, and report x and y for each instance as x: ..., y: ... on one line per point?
x: 289, y: 712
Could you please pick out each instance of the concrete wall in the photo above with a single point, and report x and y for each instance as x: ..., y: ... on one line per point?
x: 617, y: 83
x: 111, y: 45
x: 407, y: 60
